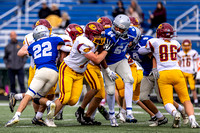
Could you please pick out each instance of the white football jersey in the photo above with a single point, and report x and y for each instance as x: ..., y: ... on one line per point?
x: 28, y: 40
x: 76, y: 59
x: 188, y: 60
x: 165, y: 53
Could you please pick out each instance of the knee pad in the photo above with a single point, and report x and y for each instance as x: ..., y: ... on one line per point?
x: 129, y: 79
x: 36, y: 101
x: 110, y: 89
x: 144, y: 97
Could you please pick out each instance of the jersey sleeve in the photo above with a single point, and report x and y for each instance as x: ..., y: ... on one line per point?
x: 149, y: 46
x: 84, y: 48
x: 179, y: 55
x: 195, y: 56
x: 178, y: 46
x: 25, y: 42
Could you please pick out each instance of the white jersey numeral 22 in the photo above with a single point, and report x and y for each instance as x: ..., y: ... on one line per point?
x: 45, y: 52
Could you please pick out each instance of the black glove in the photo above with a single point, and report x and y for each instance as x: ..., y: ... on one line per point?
x: 107, y: 45
x: 195, y: 75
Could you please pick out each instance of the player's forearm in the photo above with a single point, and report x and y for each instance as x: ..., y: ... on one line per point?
x: 23, y: 51
x: 104, y: 64
x: 154, y: 62
x: 100, y: 57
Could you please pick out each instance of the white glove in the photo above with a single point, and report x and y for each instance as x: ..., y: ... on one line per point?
x: 112, y: 75
x: 155, y: 73
x: 107, y: 45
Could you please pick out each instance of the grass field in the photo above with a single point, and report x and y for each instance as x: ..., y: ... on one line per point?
x: 69, y: 124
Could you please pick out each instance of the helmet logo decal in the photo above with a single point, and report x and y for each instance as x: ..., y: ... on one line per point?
x: 92, y: 27
x: 79, y: 29
x: 37, y: 23
x: 99, y: 20
x: 160, y: 26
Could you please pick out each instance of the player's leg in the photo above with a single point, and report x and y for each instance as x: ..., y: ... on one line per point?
x: 66, y: 79
x: 181, y: 109
x: 181, y: 89
x: 191, y: 81
x: 95, y: 102
x: 123, y: 69
x: 110, y: 90
x: 36, y: 84
x: 93, y: 81
x: 165, y: 82
x: 146, y: 87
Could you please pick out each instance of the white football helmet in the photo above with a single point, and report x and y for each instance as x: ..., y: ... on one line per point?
x: 40, y: 31
x: 123, y: 22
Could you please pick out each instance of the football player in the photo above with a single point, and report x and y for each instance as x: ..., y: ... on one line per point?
x: 187, y: 61
x: 71, y: 71
x: 120, y: 34
x: 165, y: 50
x: 97, y: 93
x: 27, y: 42
x: 44, y: 52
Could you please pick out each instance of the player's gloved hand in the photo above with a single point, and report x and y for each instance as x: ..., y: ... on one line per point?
x: 112, y: 75
x: 107, y: 45
x: 155, y: 73
x: 195, y: 75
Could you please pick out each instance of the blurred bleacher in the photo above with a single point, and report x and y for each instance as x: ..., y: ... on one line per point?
x: 82, y: 13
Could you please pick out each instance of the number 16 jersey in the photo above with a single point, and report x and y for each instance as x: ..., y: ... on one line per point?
x: 187, y: 60
x: 165, y: 53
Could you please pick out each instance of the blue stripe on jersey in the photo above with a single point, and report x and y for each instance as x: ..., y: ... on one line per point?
x: 32, y: 91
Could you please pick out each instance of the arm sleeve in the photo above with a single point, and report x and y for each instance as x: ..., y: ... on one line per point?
x: 84, y: 48
x: 146, y: 49
x: 66, y: 48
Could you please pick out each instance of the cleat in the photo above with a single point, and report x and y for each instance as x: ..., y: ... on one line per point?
x: 122, y: 117
x: 50, y: 122
x: 38, y: 122
x: 117, y: 115
x: 159, y: 122
x: 51, y: 109
x: 153, y: 119
x: 59, y: 116
x: 194, y: 124
x: 104, y: 112
x: 13, y: 121
x: 12, y: 101
x: 177, y: 120
x: 79, y: 115
x: 90, y: 121
x: 185, y: 117
x: 130, y: 119
x: 113, y: 122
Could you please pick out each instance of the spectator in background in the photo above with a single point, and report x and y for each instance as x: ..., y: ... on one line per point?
x: 55, y: 10
x: 132, y: 13
x: 136, y: 8
x: 159, y: 16
x: 65, y: 20
x: 14, y: 63
x: 119, y: 9
x: 44, y: 11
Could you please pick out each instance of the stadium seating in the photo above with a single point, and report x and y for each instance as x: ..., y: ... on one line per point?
x: 85, y: 12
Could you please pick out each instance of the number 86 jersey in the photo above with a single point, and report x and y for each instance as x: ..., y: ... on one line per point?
x: 165, y: 53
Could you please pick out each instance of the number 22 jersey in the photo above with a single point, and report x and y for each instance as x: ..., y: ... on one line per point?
x: 165, y: 53
x: 45, y: 52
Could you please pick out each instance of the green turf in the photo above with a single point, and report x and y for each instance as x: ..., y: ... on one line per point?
x: 69, y: 124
